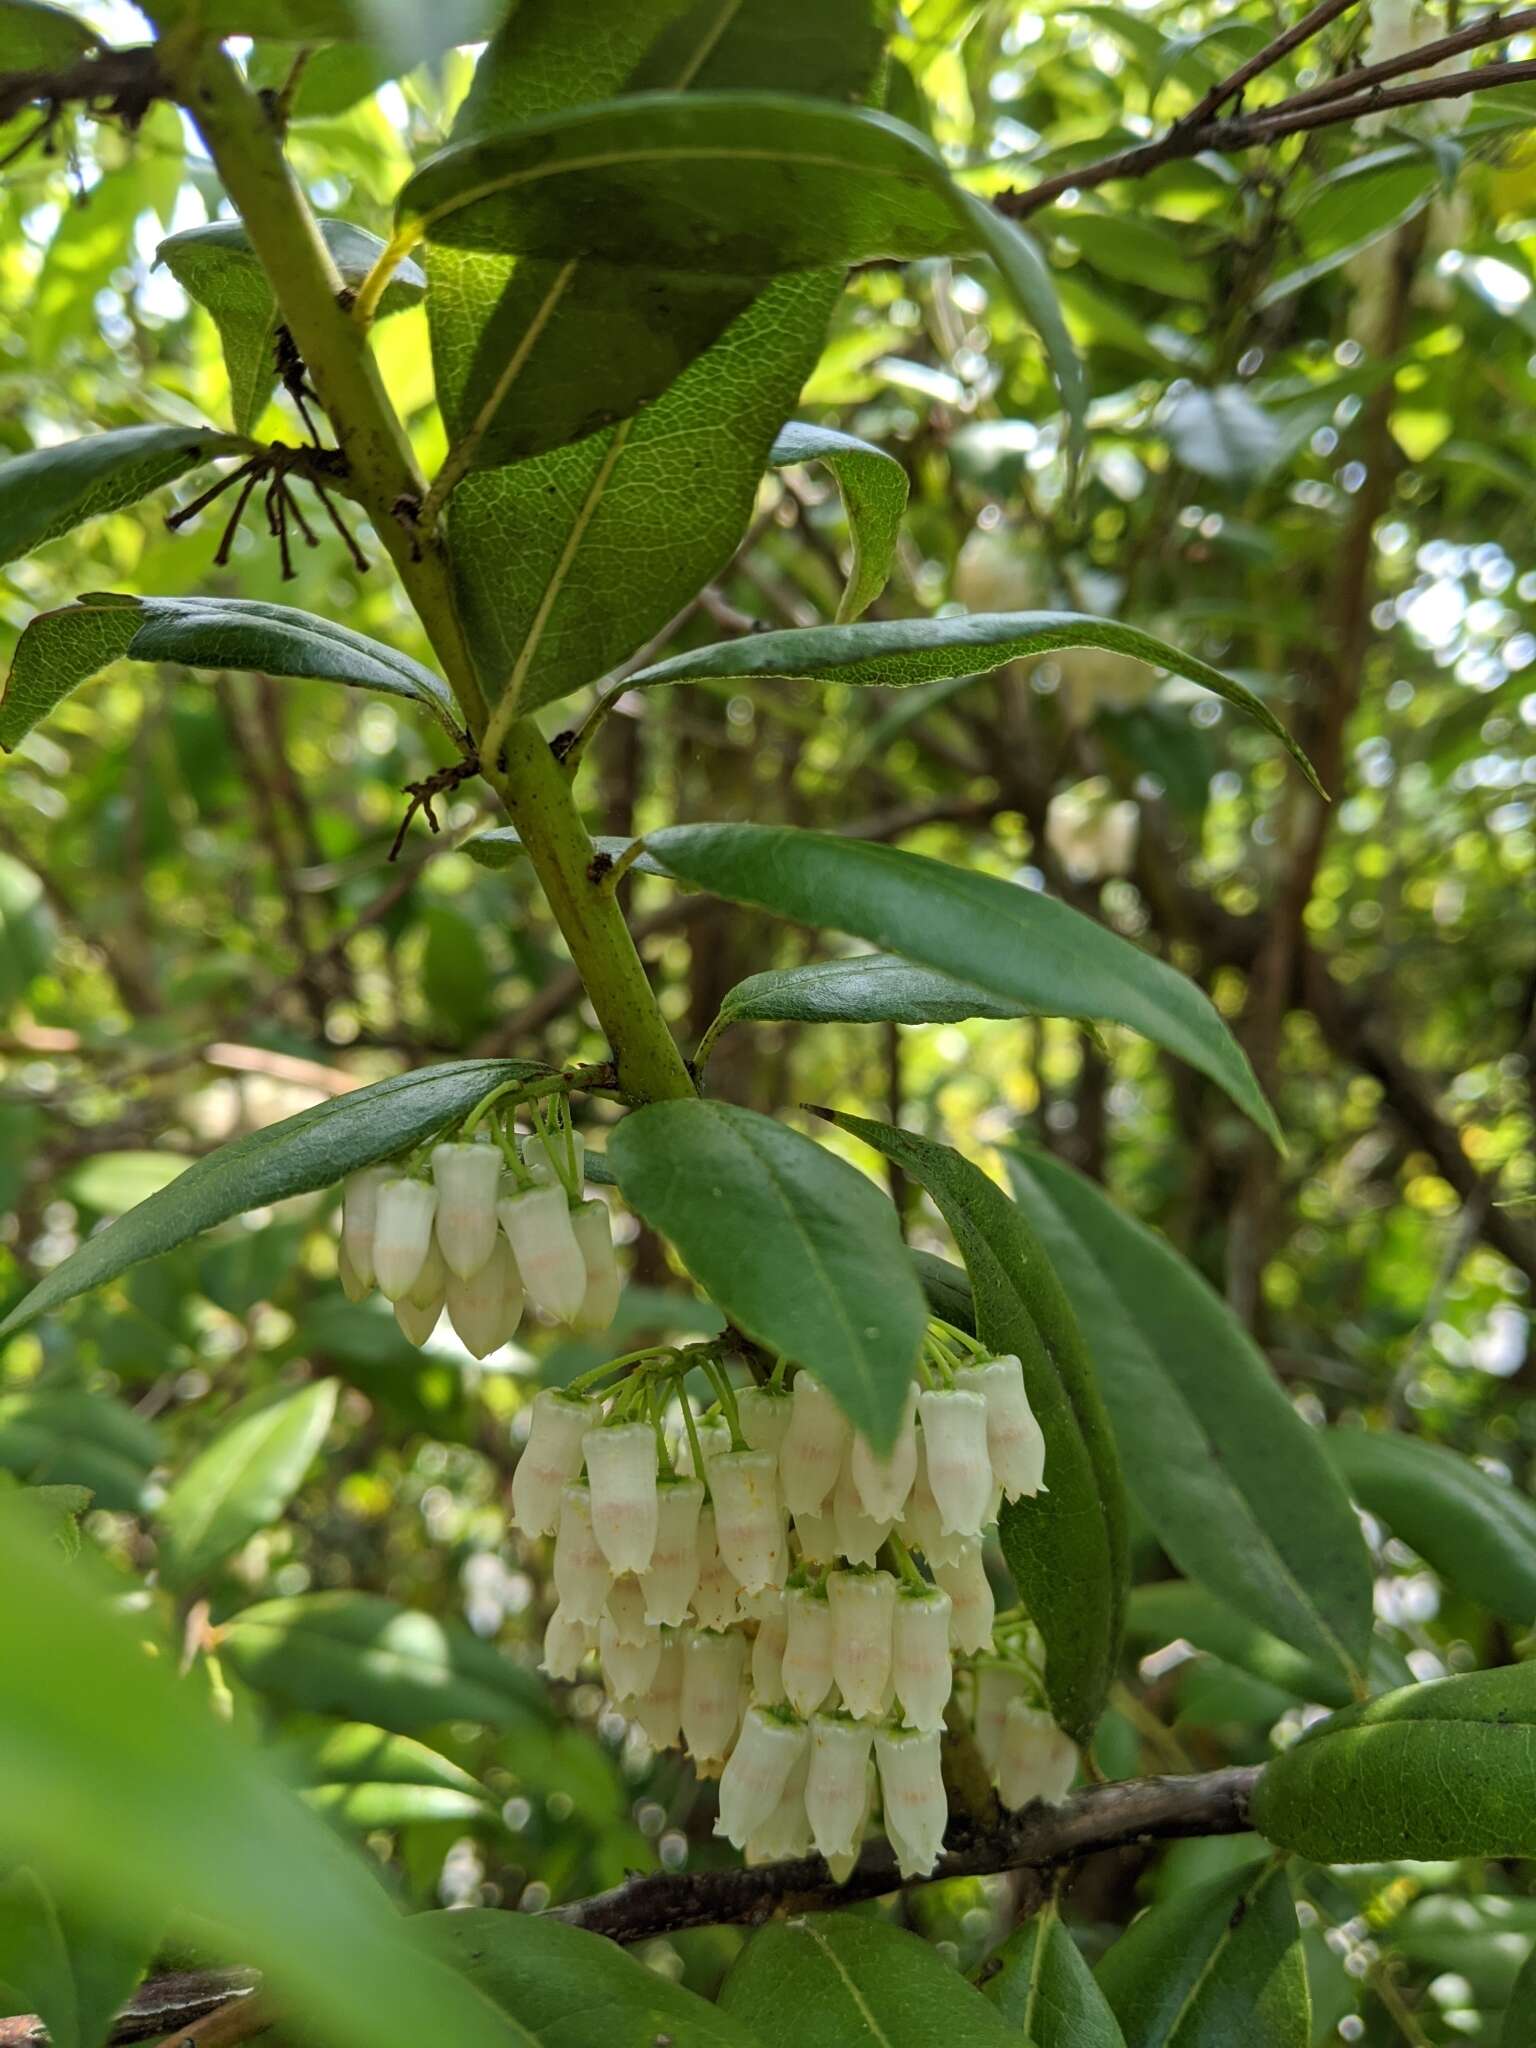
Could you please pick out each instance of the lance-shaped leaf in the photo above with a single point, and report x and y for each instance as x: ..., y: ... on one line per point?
x: 1066, y: 1548
x: 1014, y: 942
x: 867, y: 988
x: 49, y: 490
x: 874, y: 493
x: 315, y: 1149
x: 1478, y: 1534
x: 1177, y: 1609
x: 216, y: 266
x: 367, y: 1778
x: 36, y: 37
x: 242, y: 1480
x: 61, y: 650
x: 896, y: 653
x: 1041, y: 1985
x: 827, y: 1281
x: 1443, y: 1769
x: 74, y: 1976
x: 1234, y: 1483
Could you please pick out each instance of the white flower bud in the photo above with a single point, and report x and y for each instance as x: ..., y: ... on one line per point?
x: 970, y: 1591
x: 359, y: 1218
x: 768, y: 1648
x: 1036, y: 1760
x: 659, y: 1708
x: 540, y: 1156
x: 912, y: 1792
x: 837, y: 1787
x: 402, y: 1232
x: 959, y: 1470
x: 996, y: 1687
x: 566, y: 1643
x: 753, y: 1782
x: 581, y: 1572
x: 592, y: 1227
x: 811, y: 1454
x: 626, y: 1609
x: 628, y: 1668
x: 922, y: 1524
x: 1015, y: 1444
x: 481, y: 1307
x: 713, y: 1665
x: 353, y: 1286
x: 863, y: 1607
x: 716, y: 1596
x: 550, y: 1458
x: 786, y: 1832
x: 417, y: 1323
x: 538, y: 1226
x: 467, y: 1178
x: 749, y: 1520
x: 858, y: 1538
x: 921, y: 1670
x: 668, y: 1581
x: 765, y: 1417
x: 714, y: 1441
x: 806, y: 1668
x: 817, y: 1536
x: 883, y: 1484
x: 621, y: 1467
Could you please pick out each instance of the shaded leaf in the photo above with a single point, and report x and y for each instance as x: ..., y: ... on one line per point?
x: 81, y: 1440
x: 1040, y: 1984
x: 1347, y: 209
x: 74, y: 1977
x: 36, y: 37
x: 1174, y: 1609
x: 409, y: 33
x: 874, y: 492
x: 242, y: 1480
x: 368, y: 1778
x: 49, y: 490
x: 867, y: 988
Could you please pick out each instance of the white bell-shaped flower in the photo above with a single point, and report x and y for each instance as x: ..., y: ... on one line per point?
x: 713, y: 1667
x: 714, y: 1441
x: 972, y: 1604
x: 550, y: 1459
x: 817, y: 1537
x: 592, y: 1227
x: 912, y: 1793
x: 959, y: 1469
x: 540, y: 1156
x: 764, y: 1414
x: 668, y: 1581
x: 883, y: 1483
x: 814, y: 1445
x: 716, y: 1595
x: 431, y: 1282
x: 837, y: 1786
x: 768, y: 1648
x: 1036, y: 1760
x: 353, y: 1285
x: 417, y: 1322
x: 1015, y: 1443
x: 806, y: 1666
x: 481, y: 1307
x: 863, y: 1608
x: 621, y: 1468
x: 858, y: 1537
x: 626, y: 1609
x: 922, y: 1524
x: 749, y: 1517
x: 628, y: 1668
x: 582, y: 1573
x: 359, y: 1218
x: 402, y: 1233
x: 752, y: 1783
x: 566, y: 1643
x: 787, y: 1831
x: 659, y: 1708
x: 843, y: 1863
x: 997, y: 1685
x: 538, y: 1226
x: 922, y: 1672
x: 468, y: 1178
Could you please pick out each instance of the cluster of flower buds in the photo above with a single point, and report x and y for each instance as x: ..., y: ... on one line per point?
x: 481, y: 1225
x: 746, y: 1579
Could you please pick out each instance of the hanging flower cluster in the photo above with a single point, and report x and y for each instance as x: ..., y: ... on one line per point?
x: 746, y: 1579
x: 482, y: 1225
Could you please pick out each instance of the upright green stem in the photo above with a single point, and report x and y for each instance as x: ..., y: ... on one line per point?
x: 247, y: 151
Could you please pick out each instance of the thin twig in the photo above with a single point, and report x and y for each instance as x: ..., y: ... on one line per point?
x: 1228, y: 88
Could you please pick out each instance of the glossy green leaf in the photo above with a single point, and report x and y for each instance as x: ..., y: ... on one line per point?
x: 216, y: 266
x: 828, y: 1980
x: 1479, y: 1534
x: 1041, y: 1985
x: 896, y: 653
x: 866, y: 988
x: 1066, y: 1548
x: 69, y: 1436
x: 114, y: 1181
x: 72, y: 1975
x: 409, y: 32
x: 1444, y: 1769
x: 36, y: 37
x: 1174, y: 1608
x: 571, y: 1989
x: 1015, y: 942
x: 49, y: 490
x: 121, y: 1791
x: 874, y: 492
x: 1349, y: 208
x: 828, y: 1281
x: 362, y: 1657
x: 1132, y: 249
x: 1233, y: 1482
x: 367, y: 1778
x: 315, y: 1149
x: 1214, y: 1964
x: 62, y: 649
x: 241, y: 1480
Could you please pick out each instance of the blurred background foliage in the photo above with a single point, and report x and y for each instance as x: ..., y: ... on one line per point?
x: 1313, y: 378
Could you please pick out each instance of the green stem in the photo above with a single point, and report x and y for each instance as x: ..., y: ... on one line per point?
x: 719, y: 1379
x: 521, y: 1091
x: 693, y: 1440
